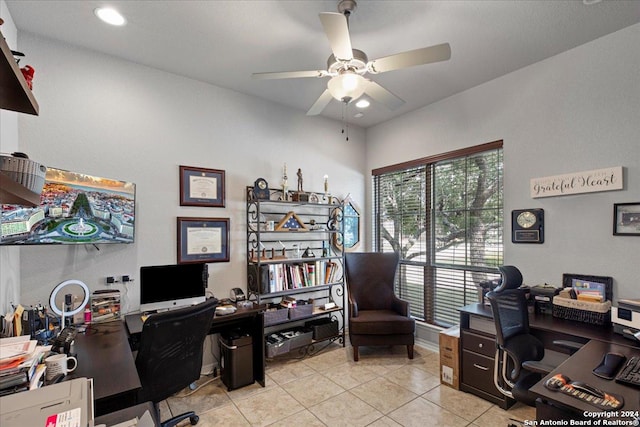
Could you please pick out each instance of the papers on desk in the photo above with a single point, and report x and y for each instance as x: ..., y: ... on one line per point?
x: 15, y: 348
x: 144, y: 421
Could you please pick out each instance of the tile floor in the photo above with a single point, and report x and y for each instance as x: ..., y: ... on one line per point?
x: 384, y: 388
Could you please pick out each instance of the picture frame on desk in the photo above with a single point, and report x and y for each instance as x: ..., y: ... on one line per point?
x: 626, y: 219
x: 203, y: 240
x: 201, y: 187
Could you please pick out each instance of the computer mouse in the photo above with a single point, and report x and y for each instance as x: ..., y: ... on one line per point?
x: 588, y: 389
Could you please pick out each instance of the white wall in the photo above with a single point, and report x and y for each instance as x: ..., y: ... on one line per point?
x: 573, y: 112
x: 107, y: 117
x: 9, y: 257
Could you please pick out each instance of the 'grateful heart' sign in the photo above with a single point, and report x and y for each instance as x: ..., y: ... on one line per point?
x: 576, y: 183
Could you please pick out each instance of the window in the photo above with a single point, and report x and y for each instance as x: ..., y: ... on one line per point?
x: 444, y: 216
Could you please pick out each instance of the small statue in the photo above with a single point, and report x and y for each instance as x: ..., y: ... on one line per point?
x: 300, y: 180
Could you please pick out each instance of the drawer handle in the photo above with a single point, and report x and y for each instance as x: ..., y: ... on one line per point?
x: 480, y: 345
x: 480, y: 367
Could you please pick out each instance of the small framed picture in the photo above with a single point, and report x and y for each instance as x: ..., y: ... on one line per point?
x: 626, y: 219
x: 201, y: 187
x: 203, y: 240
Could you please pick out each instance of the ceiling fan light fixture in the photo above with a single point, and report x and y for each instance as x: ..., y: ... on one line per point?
x: 347, y: 86
x: 110, y: 16
x: 363, y: 103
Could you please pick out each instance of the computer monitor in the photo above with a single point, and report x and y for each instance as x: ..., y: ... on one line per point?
x: 165, y: 287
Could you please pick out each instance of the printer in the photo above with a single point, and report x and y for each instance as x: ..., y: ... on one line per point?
x: 626, y: 318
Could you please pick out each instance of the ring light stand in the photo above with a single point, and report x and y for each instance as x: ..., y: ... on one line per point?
x: 67, y: 310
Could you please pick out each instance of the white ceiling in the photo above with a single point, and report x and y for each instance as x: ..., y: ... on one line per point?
x: 223, y: 42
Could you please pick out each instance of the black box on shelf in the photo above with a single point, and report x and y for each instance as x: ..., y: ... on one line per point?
x: 323, y: 328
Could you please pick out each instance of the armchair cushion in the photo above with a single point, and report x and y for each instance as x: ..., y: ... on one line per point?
x: 381, y: 322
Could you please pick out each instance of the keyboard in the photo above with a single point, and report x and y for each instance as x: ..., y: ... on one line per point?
x: 630, y: 373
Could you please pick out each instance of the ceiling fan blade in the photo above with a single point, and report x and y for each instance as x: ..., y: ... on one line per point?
x: 383, y: 96
x: 337, y: 30
x: 410, y: 58
x: 320, y: 103
x: 289, y: 74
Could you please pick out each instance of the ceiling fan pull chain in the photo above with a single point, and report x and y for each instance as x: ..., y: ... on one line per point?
x: 345, y: 123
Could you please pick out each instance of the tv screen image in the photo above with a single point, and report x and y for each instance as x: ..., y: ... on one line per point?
x: 75, y: 208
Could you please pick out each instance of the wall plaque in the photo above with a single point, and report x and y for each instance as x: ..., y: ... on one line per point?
x: 576, y: 183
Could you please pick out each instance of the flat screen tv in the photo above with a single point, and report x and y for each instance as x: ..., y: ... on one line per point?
x: 164, y: 287
x: 75, y: 208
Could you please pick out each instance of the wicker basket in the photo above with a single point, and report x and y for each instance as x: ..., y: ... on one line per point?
x: 275, y: 314
x: 300, y: 311
x: 596, y: 313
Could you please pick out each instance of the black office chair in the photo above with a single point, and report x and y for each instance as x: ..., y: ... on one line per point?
x: 520, y: 360
x: 170, y: 354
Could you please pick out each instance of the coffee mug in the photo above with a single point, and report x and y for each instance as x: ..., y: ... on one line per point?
x: 59, y: 364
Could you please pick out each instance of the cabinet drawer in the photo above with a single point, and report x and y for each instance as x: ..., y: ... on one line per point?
x: 477, y: 371
x: 478, y: 344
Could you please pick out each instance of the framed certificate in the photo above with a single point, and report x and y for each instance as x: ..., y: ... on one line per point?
x: 203, y: 240
x: 201, y: 187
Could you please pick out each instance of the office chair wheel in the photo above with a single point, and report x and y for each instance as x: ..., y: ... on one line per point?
x: 193, y: 386
x: 194, y: 420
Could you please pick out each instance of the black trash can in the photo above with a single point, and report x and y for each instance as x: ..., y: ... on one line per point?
x: 236, y: 349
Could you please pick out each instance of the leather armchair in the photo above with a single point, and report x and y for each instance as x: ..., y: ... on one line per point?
x: 376, y: 316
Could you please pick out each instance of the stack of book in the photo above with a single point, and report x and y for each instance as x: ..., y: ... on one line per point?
x: 21, y: 366
x: 105, y: 305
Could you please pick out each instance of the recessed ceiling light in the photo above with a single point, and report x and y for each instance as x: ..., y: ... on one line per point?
x: 358, y: 115
x: 363, y: 103
x: 110, y: 16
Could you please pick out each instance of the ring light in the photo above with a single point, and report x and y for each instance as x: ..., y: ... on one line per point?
x: 57, y: 289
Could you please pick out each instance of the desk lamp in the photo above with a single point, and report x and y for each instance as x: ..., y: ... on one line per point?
x: 64, y: 307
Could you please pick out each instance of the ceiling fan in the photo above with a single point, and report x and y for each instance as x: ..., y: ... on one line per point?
x: 346, y: 66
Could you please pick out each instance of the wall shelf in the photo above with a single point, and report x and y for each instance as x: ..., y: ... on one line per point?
x: 13, y: 193
x: 15, y: 95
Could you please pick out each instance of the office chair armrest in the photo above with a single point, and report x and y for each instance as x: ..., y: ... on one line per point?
x: 572, y: 346
x: 400, y: 306
x: 521, y: 349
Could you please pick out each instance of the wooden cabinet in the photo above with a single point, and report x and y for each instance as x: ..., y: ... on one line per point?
x: 292, y: 254
x: 15, y: 95
x: 478, y: 345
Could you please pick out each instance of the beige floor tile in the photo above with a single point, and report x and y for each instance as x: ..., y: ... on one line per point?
x: 384, y: 422
x: 345, y: 410
x: 210, y: 396
x: 227, y: 416
x: 429, y: 363
x: 383, y: 394
x: 268, y: 407
x: 414, y: 379
x: 327, y: 360
x: 420, y: 412
x: 312, y: 390
x: 250, y: 390
x: 460, y: 403
x: 303, y: 418
x: 349, y: 375
x: 498, y: 417
x: 283, y: 373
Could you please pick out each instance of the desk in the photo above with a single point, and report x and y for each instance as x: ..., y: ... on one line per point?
x: 478, y: 349
x: 557, y: 406
x: 104, y: 354
x: 250, y: 320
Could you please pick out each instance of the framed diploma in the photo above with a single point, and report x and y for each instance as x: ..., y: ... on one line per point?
x: 201, y: 187
x: 203, y: 240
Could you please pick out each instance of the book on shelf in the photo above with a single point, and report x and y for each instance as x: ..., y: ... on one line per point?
x: 278, y: 277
